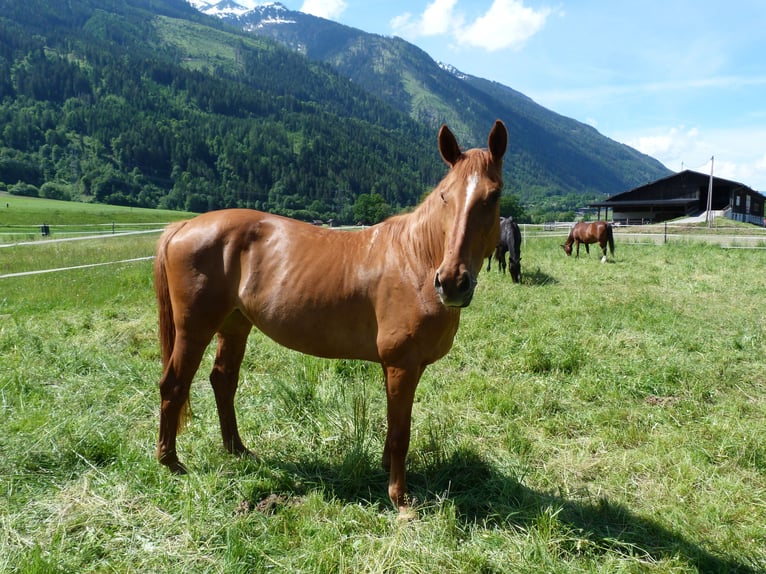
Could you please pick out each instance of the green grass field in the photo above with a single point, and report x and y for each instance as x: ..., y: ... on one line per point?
x: 596, y: 418
x: 21, y: 218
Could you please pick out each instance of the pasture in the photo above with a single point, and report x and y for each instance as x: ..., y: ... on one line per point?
x: 596, y: 418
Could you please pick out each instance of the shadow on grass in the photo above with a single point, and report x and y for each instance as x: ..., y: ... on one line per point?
x: 482, y: 495
x: 537, y: 278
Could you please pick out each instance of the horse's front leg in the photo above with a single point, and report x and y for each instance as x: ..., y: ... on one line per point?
x: 400, y: 393
x: 577, y: 248
x: 232, y: 341
x: 587, y: 248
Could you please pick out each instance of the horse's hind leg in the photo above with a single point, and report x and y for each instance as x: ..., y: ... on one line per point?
x: 232, y: 341
x: 500, y: 257
x: 174, y: 395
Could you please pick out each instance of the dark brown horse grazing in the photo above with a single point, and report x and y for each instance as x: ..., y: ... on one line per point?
x: 510, y: 243
x: 391, y: 294
x: 595, y: 232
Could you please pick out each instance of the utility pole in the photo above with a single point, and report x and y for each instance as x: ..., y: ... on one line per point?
x: 710, y: 195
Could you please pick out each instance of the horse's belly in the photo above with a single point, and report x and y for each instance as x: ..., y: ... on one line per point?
x: 347, y: 332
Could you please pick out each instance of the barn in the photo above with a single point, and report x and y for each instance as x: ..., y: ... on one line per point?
x: 684, y: 194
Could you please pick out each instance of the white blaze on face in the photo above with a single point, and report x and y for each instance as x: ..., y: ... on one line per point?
x: 473, y: 183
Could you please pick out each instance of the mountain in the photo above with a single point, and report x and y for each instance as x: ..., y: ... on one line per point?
x: 549, y: 155
x: 151, y: 103
x: 156, y: 103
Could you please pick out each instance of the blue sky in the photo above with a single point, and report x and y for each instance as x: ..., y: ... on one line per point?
x: 682, y: 81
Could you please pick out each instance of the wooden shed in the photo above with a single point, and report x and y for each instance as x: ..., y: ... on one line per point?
x: 684, y: 194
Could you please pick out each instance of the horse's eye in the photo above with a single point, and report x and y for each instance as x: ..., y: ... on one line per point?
x: 493, y: 196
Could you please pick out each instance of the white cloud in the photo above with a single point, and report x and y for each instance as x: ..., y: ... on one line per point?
x: 739, y: 154
x: 437, y: 19
x: 507, y: 24
x: 329, y: 9
x: 669, y: 144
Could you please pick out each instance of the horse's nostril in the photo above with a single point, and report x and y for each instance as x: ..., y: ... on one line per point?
x: 464, y: 284
x: 437, y: 282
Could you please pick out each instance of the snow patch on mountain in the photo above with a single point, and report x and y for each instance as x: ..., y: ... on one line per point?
x: 452, y: 70
x: 265, y: 13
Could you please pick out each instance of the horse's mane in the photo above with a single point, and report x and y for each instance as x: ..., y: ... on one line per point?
x: 421, y: 230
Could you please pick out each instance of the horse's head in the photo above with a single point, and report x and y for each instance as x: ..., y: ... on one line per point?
x: 567, y: 247
x: 514, y: 266
x: 470, y: 196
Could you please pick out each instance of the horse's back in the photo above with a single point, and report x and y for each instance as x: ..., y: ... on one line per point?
x: 589, y: 232
x: 256, y: 254
x: 229, y: 242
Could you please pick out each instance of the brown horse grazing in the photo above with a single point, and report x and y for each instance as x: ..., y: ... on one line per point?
x: 390, y: 293
x: 595, y: 232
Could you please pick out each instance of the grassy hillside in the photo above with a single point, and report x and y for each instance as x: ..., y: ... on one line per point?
x: 25, y: 211
x: 596, y: 418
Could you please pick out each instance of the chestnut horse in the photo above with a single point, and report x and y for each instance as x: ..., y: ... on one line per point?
x: 390, y: 294
x: 594, y: 232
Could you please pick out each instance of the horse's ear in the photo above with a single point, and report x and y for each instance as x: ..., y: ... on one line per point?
x: 448, y: 146
x: 498, y: 141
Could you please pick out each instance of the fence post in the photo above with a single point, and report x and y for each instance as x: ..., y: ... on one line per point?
x: 666, y: 232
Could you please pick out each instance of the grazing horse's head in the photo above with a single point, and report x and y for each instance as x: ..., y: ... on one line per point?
x: 470, y: 195
x: 514, y: 266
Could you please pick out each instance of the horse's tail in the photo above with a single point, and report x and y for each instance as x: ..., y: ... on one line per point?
x: 610, y: 237
x: 167, y: 328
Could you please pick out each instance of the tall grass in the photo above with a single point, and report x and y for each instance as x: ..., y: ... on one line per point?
x: 596, y: 418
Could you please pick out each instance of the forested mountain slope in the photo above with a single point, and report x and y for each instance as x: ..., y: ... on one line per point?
x: 551, y: 159
x: 149, y: 103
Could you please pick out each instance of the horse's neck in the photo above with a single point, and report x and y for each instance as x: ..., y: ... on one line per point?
x: 420, y: 233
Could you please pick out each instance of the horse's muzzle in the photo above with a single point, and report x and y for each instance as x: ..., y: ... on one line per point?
x: 455, y: 292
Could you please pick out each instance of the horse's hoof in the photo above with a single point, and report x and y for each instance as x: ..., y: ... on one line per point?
x: 247, y: 454
x: 172, y: 463
x: 603, y: 259
x: 407, y: 514
x: 178, y: 469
